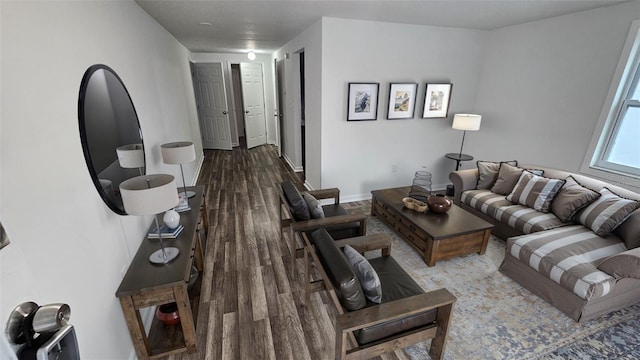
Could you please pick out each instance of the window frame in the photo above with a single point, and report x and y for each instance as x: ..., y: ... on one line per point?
x: 627, y: 75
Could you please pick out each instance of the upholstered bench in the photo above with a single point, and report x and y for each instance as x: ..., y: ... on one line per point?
x: 399, y: 315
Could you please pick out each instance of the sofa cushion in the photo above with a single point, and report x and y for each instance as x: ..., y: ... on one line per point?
x: 629, y: 230
x: 607, y: 212
x: 623, y: 265
x: 297, y: 205
x: 366, y: 274
x: 572, y: 198
x: 315, y: 208
x: 569, y: 256
x: 507, y: 178
x: 527, y: 220
x: 396, y: 284
x: 337, y: 267
x: 488, y: 172
x: 484, y: 201
x: 535, y: 191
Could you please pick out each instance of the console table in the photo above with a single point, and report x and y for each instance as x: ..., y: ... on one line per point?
x: 146, y: 285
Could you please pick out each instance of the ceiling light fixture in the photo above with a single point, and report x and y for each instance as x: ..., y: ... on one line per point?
x: 251, y: 55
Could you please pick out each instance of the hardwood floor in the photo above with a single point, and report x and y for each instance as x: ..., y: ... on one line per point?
x: 250, y: 305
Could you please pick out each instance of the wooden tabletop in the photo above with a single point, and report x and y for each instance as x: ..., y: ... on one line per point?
x: 143, y: 276
x: 456, y: 221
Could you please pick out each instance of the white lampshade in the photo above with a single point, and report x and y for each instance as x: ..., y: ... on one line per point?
x: 178, y: 152
x: 467, y: 122
x: 131, y: 156
x: 149, y: 194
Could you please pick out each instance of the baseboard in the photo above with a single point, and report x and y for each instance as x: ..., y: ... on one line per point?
x: 198, y: 170
x: 290, y: 163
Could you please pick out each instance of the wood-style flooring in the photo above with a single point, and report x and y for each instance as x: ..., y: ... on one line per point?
x: 250, y: 306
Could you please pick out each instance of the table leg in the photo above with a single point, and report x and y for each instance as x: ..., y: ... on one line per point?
x: 136, y: 327
x: 186, y: 317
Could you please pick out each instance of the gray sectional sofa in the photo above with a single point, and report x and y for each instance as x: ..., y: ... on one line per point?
x: 572, y: 240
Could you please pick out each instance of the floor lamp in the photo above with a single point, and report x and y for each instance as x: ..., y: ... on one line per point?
x: 152, y: 195
x: 466, y: 122
x: 179, y: 153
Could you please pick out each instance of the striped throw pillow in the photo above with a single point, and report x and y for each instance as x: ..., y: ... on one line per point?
x: 535, y: 191
x: 605, y: 214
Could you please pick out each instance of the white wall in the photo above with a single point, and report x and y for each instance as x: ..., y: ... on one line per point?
x: 544, y: 83
x: 269, y: 96
x: 66, y: 245
x: 309, y: 41
x: 357, y: 156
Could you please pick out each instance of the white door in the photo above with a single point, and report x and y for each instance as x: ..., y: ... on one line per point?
x: 253, y: 98
x: 211, y: 100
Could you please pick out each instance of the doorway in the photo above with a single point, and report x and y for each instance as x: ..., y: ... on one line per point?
x: 302, y: 117
x: 238, y: 106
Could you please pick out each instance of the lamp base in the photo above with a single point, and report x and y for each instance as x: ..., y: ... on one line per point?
x: 157, y: 258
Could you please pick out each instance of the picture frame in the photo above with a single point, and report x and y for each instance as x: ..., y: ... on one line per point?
x: 362, y: 101
x: 402, y: 100
x: 436, y: 100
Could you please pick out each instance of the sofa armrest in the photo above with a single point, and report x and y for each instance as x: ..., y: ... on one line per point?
x: 314, y: 224
x: 394, y: 310
x: 332, y: 193
x: 623, y: 265
x: 463, y: 180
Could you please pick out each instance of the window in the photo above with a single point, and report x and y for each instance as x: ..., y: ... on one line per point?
x: 619, y: 144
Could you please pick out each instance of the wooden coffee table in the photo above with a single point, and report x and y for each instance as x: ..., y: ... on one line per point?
x: 434, y: 236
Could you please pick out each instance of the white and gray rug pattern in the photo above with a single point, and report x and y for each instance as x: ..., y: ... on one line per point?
x: 494, y: 317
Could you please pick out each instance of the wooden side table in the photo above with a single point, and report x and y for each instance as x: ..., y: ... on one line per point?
x: 146, y: 284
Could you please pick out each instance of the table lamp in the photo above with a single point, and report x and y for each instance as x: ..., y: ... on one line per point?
x: 466, y: 122
x: 151, y: 195
x: 179, y: 153
x: 131, y: 156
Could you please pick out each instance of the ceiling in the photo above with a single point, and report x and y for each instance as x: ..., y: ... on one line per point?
x: 235, y: 26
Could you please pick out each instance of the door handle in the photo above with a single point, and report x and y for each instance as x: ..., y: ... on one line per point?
x: 224, y: 113
x: 246, y: 111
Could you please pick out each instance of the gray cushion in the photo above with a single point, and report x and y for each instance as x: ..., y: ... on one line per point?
x: 629, y: 230
x: 508, y: 176
x: 297, y: 205
x: 339, y: 270
x: 623, y: 265
x: 366, y: 274
x: 315, y: 208
x: 535, y: 191
x: 606, y: 213
x: 488, y: 172
x: 572, y: 198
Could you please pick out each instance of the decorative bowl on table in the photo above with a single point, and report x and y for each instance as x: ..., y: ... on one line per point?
x: 413, y: 204
x: 168, y: 314
x: 439, y: 203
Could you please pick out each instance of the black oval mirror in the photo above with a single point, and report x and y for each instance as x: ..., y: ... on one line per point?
x: 110, y: 133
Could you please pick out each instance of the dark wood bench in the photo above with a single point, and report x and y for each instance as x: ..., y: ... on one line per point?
x: 406, y: 315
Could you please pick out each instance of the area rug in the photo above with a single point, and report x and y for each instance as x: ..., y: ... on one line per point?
x: 495, y: 318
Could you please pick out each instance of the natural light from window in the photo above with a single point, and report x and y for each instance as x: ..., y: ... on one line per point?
x: 620, y: 150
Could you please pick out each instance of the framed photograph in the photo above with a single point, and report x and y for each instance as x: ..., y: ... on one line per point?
x: 363, y: 101
x: 436, y: 100
x: 402, y: 101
